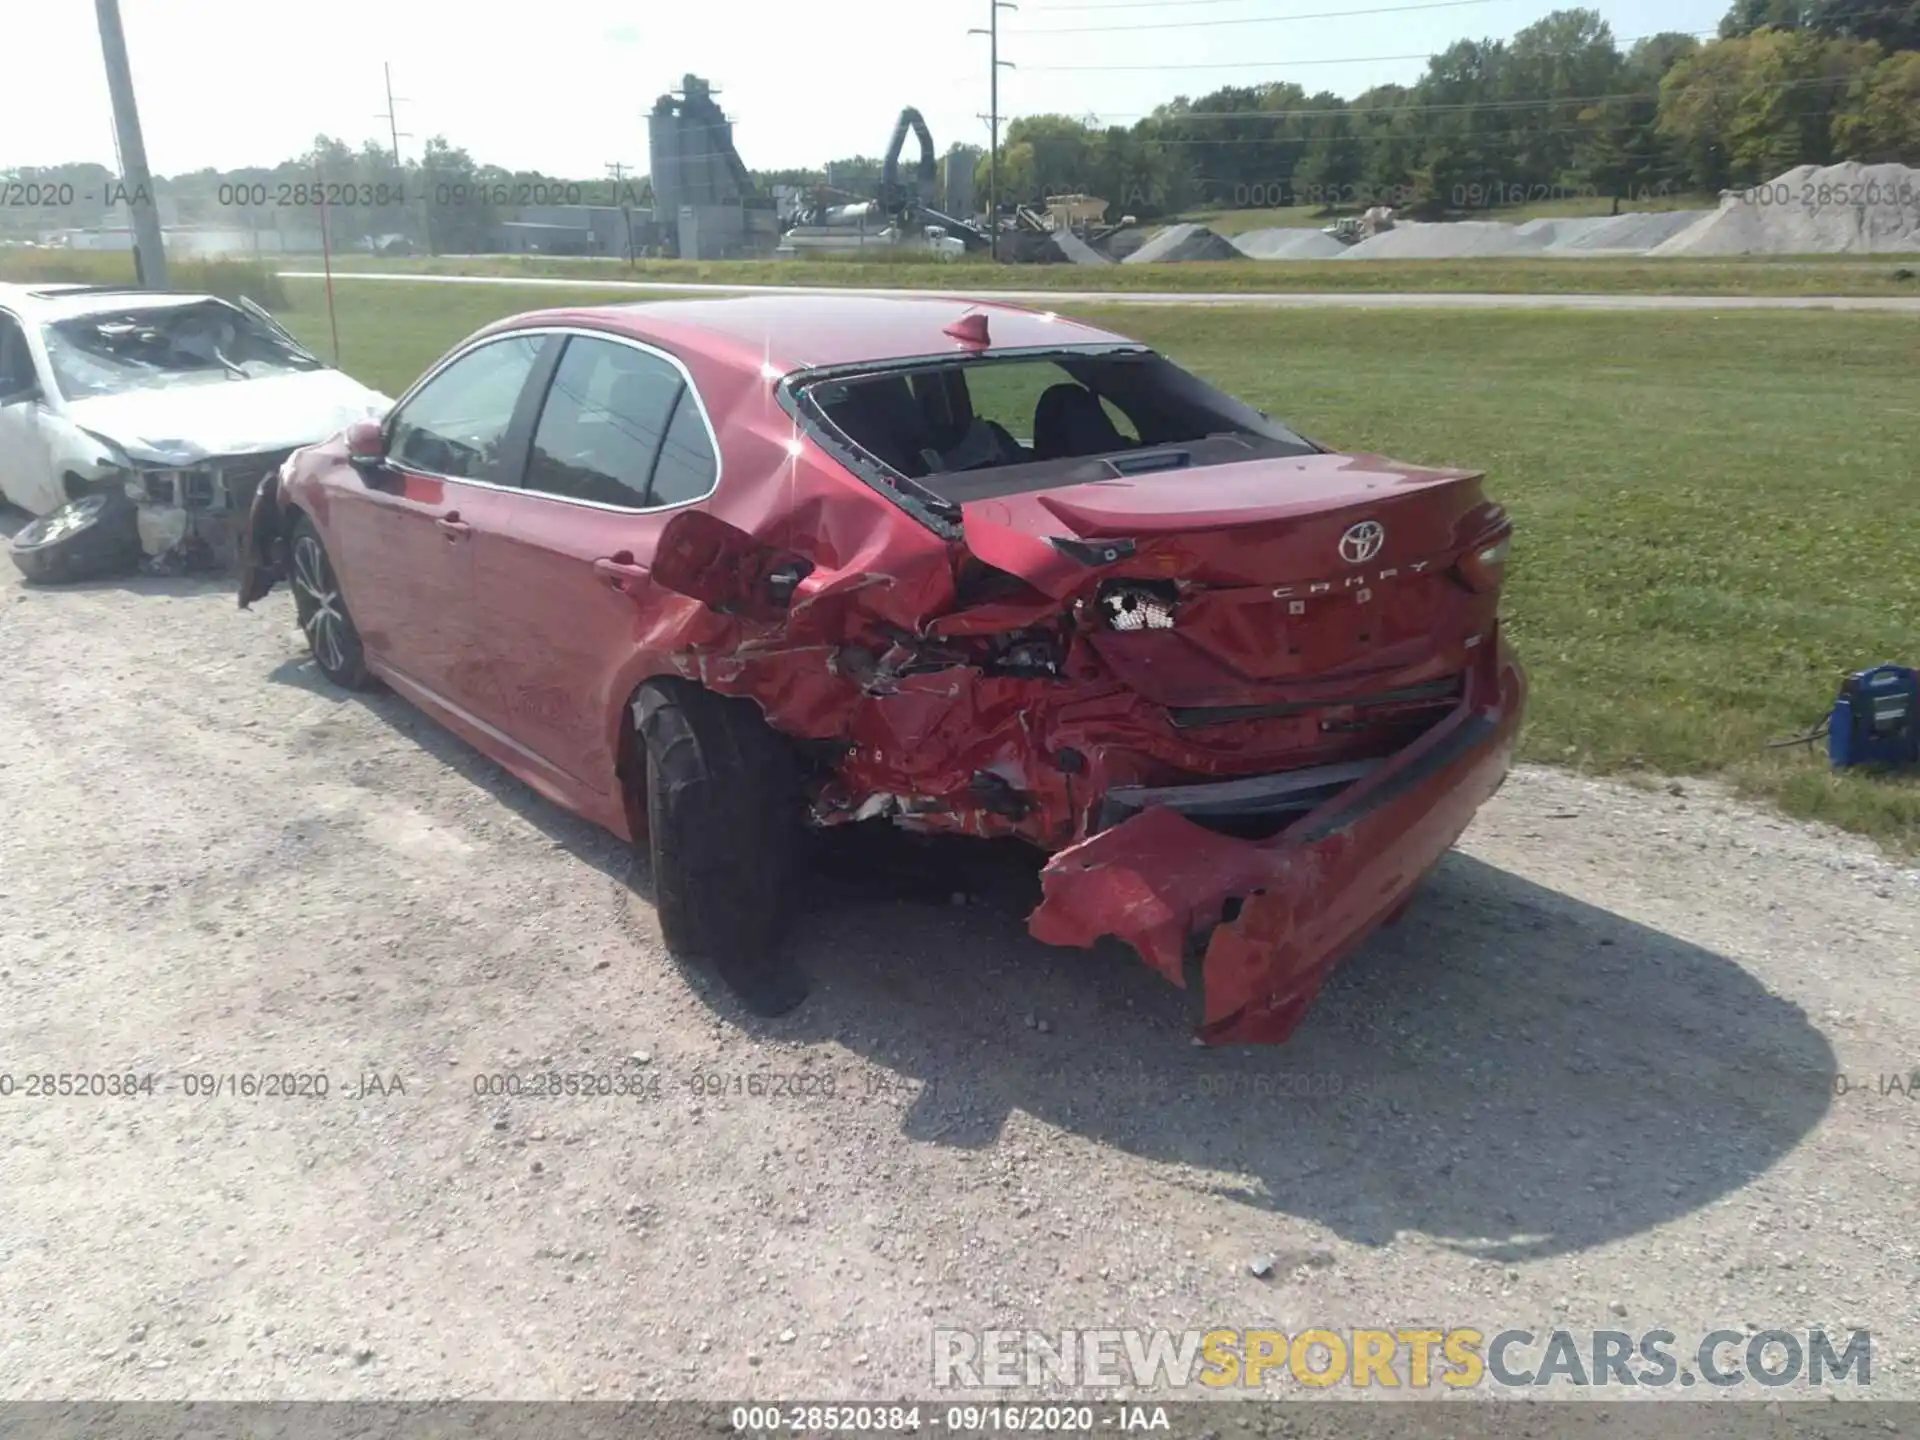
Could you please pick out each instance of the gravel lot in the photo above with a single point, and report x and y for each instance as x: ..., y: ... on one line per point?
x: 1587, y: 1082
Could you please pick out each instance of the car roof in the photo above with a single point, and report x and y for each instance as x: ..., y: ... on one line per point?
x: 791, y: 332
x: 65, y: 300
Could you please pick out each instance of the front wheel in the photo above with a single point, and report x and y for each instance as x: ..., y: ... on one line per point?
x: 323, y: 614
x: 723, y: 836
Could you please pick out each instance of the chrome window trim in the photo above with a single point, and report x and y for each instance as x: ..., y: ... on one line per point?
x: 686, y: 375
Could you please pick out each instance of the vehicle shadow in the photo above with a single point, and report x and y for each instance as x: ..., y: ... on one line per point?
x: 145, y: 582
x: 587, y: 842
x: 1511, y: 1071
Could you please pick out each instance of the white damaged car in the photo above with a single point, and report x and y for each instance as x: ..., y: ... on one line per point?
x: 140, y: 422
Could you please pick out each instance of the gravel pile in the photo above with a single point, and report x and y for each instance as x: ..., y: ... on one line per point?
x: 1073, y: 248
x: 1288, y: 244
x: 1558, y: 230
x: 1460, y: 239
x: 1185, y: 242
x: 1631, y: 234
x: 1848, y: 208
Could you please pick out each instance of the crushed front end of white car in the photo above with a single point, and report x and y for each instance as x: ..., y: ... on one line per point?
x: 180, y: 404
x: 190, y: 458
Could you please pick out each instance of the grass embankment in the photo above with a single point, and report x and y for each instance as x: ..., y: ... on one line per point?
x: 1816, y: 275
x: 1745, y: 275
x: 258, y: 280
x: 1709, y: 507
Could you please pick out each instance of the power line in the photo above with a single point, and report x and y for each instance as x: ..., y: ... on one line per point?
x: 1391, y: 115
x: 1838, y: 12
x: 1346, y: 107
x: 1342, y: 60
x: 1361, y: 138
x: 1135, y: 5
x: 1258, y: 19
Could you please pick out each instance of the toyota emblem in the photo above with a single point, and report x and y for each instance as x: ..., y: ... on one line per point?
x: 1362, y: 542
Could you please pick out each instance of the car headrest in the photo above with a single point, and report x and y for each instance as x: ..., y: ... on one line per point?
x: 1070, y: 421
x: 946, y: 409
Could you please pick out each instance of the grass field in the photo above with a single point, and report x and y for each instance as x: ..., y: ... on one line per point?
x: 1772, y: 275
x: 1821, y: 275
x: 1711, y: 509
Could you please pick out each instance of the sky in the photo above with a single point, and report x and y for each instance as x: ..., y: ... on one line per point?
x: 564, y: 86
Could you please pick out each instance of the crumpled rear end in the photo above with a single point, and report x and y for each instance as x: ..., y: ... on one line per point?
x: 1256, y: 926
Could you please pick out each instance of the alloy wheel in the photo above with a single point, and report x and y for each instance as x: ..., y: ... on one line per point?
x: 324, y: 621
x: 68, y: 520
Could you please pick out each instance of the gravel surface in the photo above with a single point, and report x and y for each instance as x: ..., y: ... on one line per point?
x: 1632, y: 234
x: 1289, y: 244
x: 1587, y: 1082
x: 1848, y: 208
x: 1446, y: 240
x: 1077, y: 250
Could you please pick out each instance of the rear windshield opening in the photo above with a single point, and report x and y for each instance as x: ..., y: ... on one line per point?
x: 974, y: 428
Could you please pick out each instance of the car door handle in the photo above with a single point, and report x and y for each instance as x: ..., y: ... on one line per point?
x: 453, y: 527
x: 620, y: 571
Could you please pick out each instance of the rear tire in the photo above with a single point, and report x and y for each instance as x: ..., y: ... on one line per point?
x: 322, y: 611
x: 90, y: 538
x: 723, y: 837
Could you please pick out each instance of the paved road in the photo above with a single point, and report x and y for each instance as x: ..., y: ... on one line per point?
x: 1270, y: 300
x: 1588, y: 1082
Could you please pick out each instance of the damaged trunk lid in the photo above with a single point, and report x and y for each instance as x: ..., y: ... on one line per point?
x: 1238, y: 585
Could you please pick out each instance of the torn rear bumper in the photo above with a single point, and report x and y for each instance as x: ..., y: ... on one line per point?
x: 1255, y: 926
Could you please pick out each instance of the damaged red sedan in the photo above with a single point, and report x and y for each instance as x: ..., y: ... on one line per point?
x: 713, y: 572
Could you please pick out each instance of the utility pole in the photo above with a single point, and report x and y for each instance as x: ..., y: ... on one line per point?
x: 994, y: 64
x: 393, y: 125
x: 618, y: 170
x: 395, y: 133
x: 149, y: 250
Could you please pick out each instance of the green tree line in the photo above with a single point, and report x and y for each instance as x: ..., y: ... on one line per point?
x: 1559, y: 108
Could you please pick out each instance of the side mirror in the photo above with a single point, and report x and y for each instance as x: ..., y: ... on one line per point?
x: 724, y: 568
x: 25, y: 395
x: 366, y: 443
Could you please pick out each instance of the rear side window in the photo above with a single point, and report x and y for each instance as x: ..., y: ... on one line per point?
x: 455, y: 425
x: 686, y: 470
x: 620, y: 426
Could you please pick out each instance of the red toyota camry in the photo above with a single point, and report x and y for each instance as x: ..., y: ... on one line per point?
x: 712, y: 572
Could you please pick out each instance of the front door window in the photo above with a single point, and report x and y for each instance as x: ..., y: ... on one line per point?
x: 455, y: 424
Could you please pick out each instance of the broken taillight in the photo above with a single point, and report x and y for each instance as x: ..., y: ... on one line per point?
x: 1138, y: 604
x: 1483, y: 567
